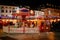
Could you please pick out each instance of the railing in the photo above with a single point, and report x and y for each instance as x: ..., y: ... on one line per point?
x: 20, y: 30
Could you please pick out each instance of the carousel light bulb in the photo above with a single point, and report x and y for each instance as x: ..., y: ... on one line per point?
x: 58, y: 19
x: 31, y: 11
x: 17, y: 11
x: 7, y: 20
x: 3, y: 20
x: 10, y: 20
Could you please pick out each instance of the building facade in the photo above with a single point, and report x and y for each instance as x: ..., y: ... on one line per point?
x: 51, y: 12
x: 39, y: 14
x: 8, y: 10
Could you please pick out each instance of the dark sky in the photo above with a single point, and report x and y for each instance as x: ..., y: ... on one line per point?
x: 32, y: 3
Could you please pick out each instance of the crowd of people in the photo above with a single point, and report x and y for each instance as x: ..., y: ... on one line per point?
x: 18, y: 24
x: 26, y: 24
x: 47, y: 25
x: 55, y: 26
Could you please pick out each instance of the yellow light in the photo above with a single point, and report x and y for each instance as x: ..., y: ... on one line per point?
x: 15, y: 20
x: 58, y: 19
x: 7, y: 20
x: 27, y: 20
x: 10, y: 20
x: 3, y: 20
x: 17, y: 11
x: 31, y: 11
x: 55, y: 20
x: 51, y: 20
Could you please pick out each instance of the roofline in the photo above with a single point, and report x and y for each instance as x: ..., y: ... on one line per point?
x: 9, y: 5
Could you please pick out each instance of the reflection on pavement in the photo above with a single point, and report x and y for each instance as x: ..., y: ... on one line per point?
x: 1, y: 32
x: 39, y: 36
x: 51, y: 36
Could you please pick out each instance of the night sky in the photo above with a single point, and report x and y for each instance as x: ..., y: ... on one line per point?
x: 34, y: 4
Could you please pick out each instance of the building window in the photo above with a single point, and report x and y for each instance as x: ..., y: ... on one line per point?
x: 13, y: 8
x: 13, y: 11
x: 2, y: 7
x: 5, y: 7
x: 10, y: 7
x: 6, y: 11
x: 2, y: 11
x: 10, y: 11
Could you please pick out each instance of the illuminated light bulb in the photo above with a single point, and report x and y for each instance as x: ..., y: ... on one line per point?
x: 3, y: 20
x: 58, y: 19
x: 31, y: 11
x: 27, y: 20
x: 10, y: 20
x: 54, y: 20
x: 7, y: 20
x: 15, y: 20
x: 17, y: 11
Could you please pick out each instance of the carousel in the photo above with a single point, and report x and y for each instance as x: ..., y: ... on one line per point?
x: 25, y: 22
x: 22, y: 23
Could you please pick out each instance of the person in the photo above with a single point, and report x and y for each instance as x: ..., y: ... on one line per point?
x: 1, y: 24
x: 1, y: 27
x: 52, y: 28
x: 31, y: 25
x: 48, y: 24
x: 41, y: 27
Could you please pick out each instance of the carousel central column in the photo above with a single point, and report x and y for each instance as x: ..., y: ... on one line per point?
x: 23, y: 19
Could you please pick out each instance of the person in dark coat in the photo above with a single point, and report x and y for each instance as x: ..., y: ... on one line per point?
x: 1, y: 27
x: 1, y: 24
x: 52, y: 28
x: 41, y: 27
